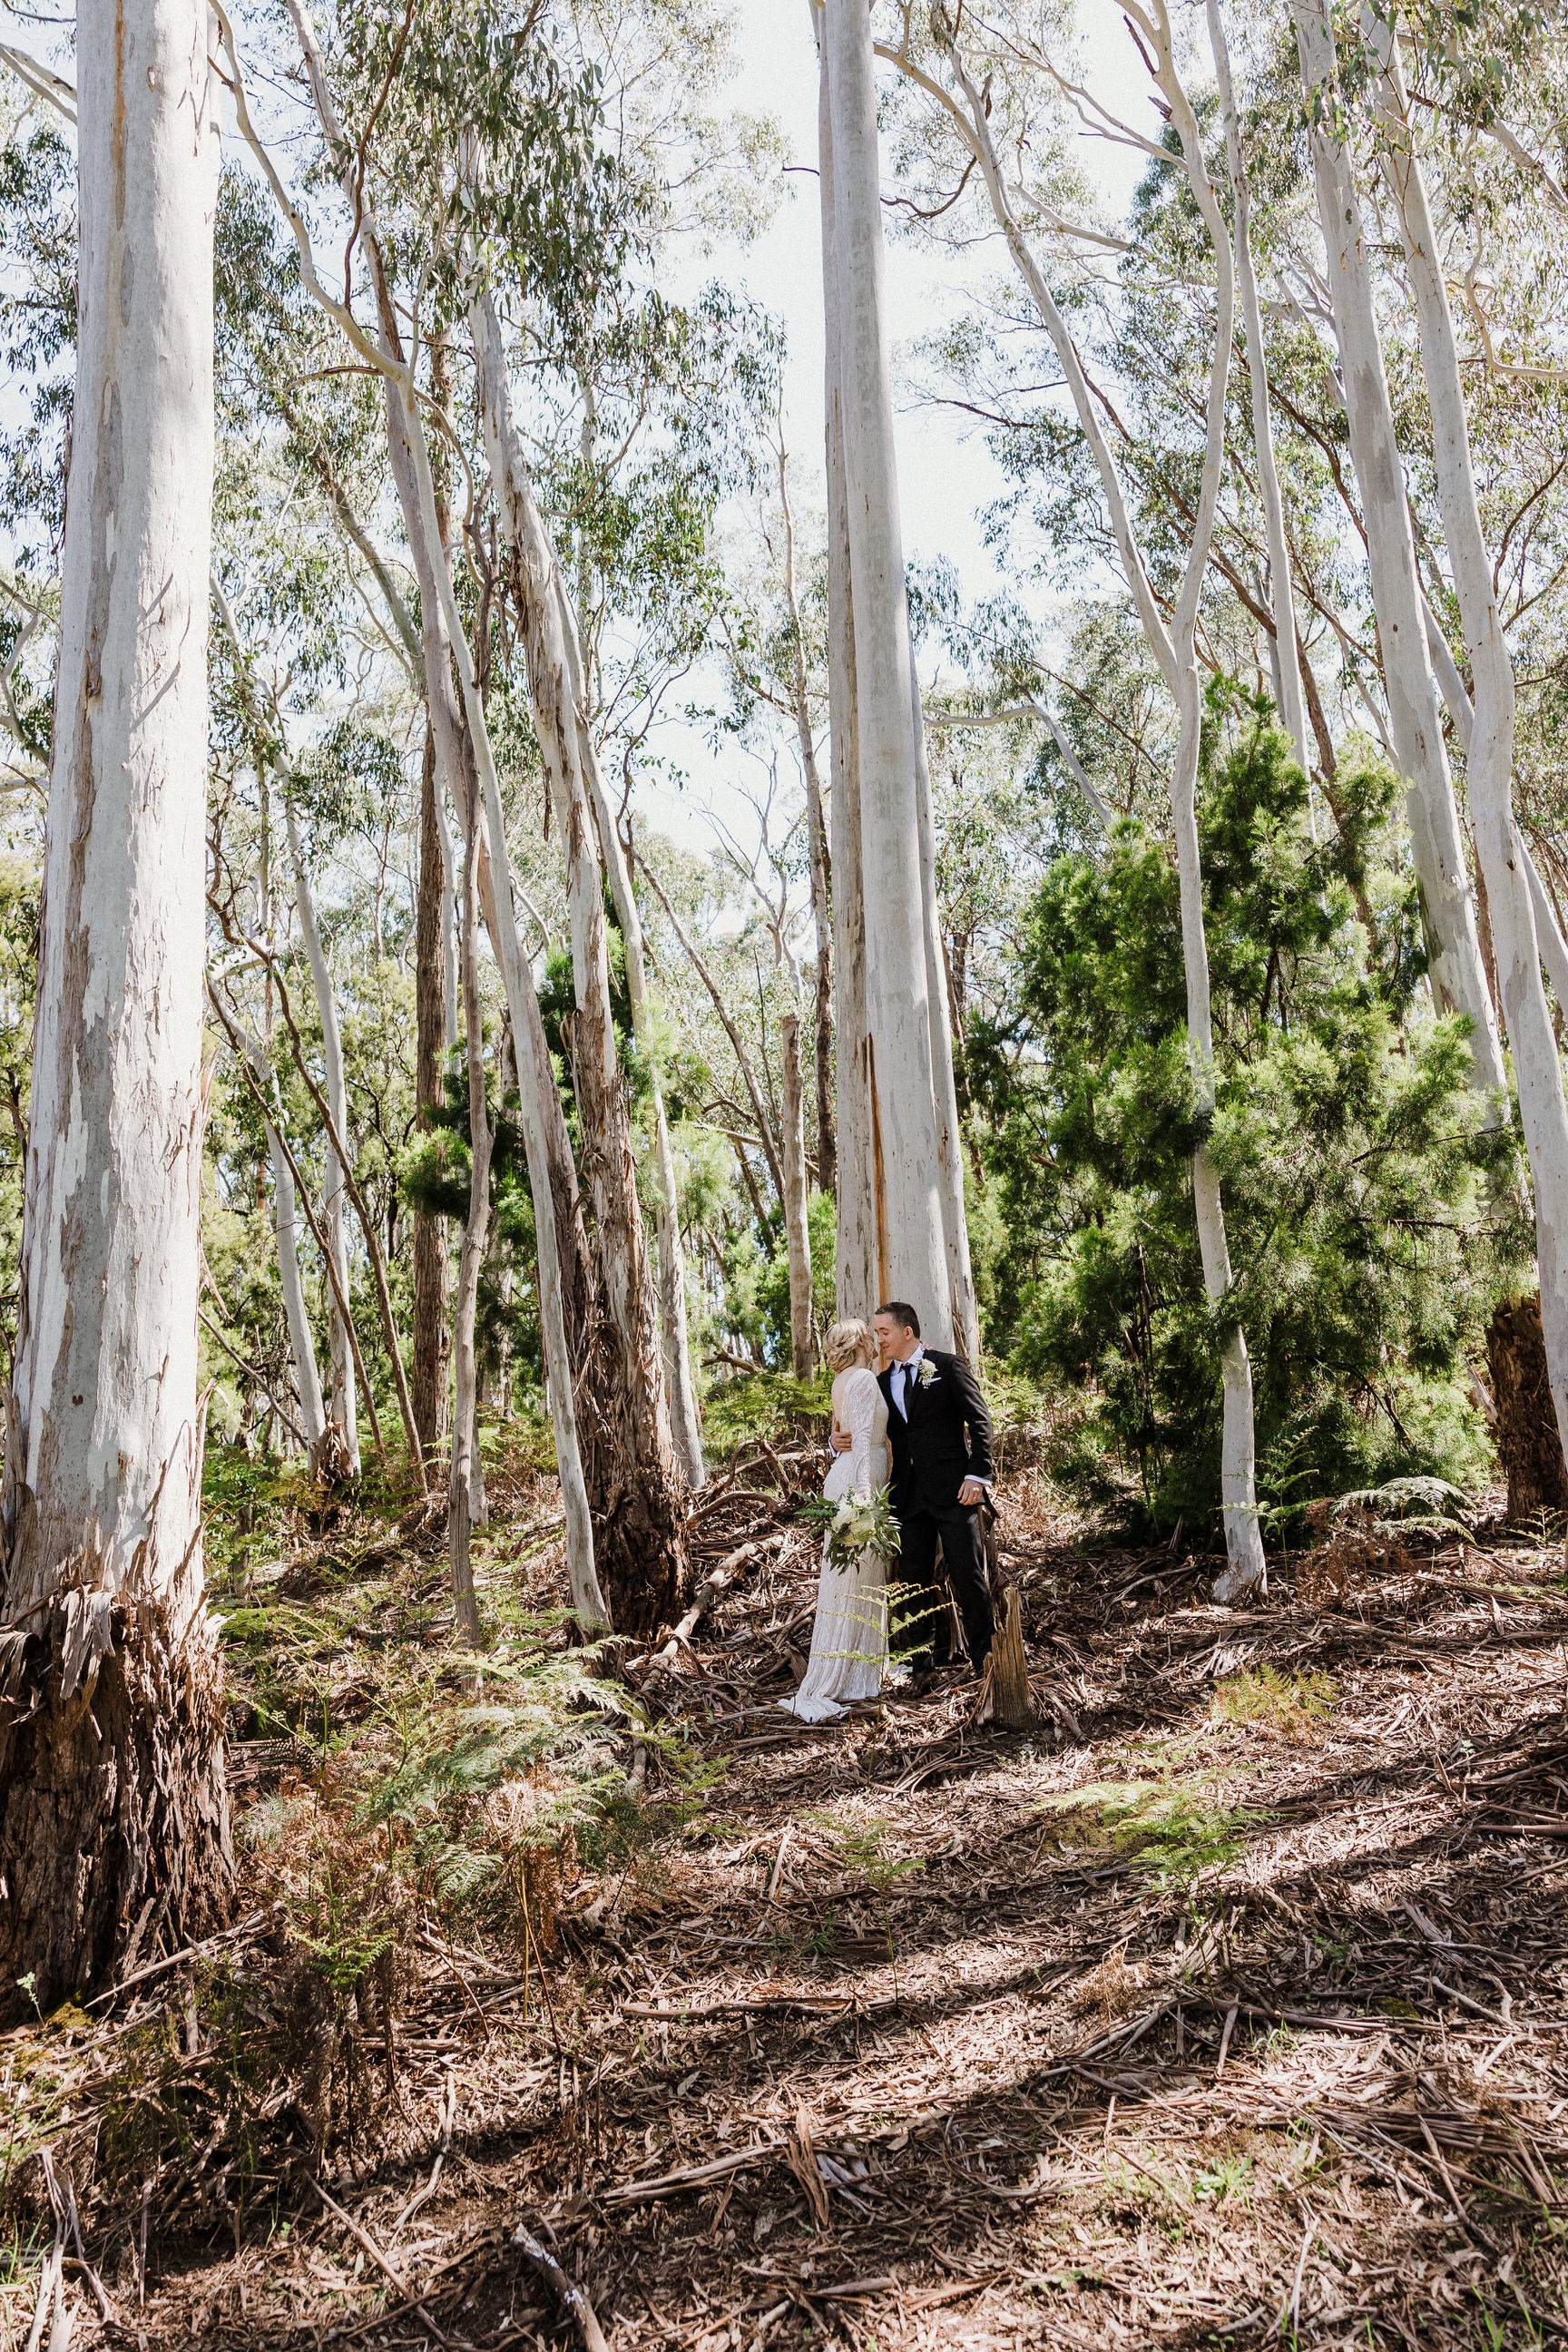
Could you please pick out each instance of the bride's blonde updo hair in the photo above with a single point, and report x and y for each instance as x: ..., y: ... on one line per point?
x: 845, y: 1343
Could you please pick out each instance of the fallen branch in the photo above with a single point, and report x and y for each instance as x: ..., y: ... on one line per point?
x: 570, y: 2295
x: 363, y: 2239
x: 707, y: 1592
x: 51, y: 2309
x: 691, y: 2176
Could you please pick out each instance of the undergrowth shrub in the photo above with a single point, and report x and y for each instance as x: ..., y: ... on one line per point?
x: 466, y: 1804
x: 1171, y: 1829
x: 746, y: 1406
x: 1368, y: 1191
x: 1273, y: 1700
x: 465, y: 1796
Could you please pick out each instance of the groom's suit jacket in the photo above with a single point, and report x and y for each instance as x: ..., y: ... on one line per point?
x: 946, y: 1439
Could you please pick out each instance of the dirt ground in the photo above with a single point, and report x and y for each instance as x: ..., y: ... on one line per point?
x: 1226, y: 2007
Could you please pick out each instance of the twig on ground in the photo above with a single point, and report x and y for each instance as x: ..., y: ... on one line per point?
x: 363, y: 2239
x: 572, y: 2300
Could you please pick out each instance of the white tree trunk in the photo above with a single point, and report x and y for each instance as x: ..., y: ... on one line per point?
x: 334, y: 1199
x: 290, y: 1282
x: 1284, y: 651
x: 1415, y: 722
x: 1506, y: 865
x: 301, y: 1342
x: 449, y: 916
x: 1548, y: 934
x: 464, y: 1481
x: 571, y: 773
x: 798, y: 1231
x: 556, y: 635
x: 1238, y: 1501
x: 859, y: 1282
x: 113, y: 1821
x: 906, y: 1150
x: 1173, y: 648
x: 944, y: 1090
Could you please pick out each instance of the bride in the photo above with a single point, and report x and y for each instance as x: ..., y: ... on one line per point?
x: 849, y: 1637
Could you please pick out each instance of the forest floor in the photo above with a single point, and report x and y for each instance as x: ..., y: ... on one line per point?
x: 1226, y: 2007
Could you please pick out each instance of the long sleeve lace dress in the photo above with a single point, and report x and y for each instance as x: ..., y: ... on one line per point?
x: 849, y: 1637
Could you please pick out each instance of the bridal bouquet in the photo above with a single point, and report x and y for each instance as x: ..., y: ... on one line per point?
x: 855, y: 1525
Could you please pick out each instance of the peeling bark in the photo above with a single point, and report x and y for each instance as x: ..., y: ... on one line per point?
x: 341, y: 1409
x: 428, y: 1381
x: 114, y: 1815
x: 895, y: 1043
x: 1448, y: 905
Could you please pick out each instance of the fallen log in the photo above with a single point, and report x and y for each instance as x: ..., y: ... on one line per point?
x: 716, y: 1582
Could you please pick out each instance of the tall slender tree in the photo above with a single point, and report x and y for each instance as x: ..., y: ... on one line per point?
x: 1174, y: 644
x: 114, y: 1820
x: 428, y: 1373
x: 858, y: 1273
x: 1282, y: 593
x: 587, y: 1446
x: 1505, y: 862
x: 557, y: 686
x: 1447, y: 903
x: 341, y: 1412
x: 915, y: 1168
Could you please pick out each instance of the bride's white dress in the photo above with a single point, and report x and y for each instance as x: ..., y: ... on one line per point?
x: 849, y: 1638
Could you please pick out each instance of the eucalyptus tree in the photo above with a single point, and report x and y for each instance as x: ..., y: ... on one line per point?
x: 587, y: 824
x: 568, y: 1289
x: 1504, y: 858
x: 858, y: 1270
x: 114, y: 1817
x: 1414, y: 714
x: 902, y: 1053
x: 1280, y: 591
x: 776, y: 642
x: 953, y: 89
x: 298, y: 501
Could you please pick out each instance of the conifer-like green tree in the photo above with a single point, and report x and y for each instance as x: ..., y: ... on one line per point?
x: 1357, y: 1162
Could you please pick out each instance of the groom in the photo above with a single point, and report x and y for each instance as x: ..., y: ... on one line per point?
x: 941, y: 1435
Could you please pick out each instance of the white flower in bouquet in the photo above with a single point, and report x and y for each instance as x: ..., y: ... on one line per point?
x: 860, y: 1524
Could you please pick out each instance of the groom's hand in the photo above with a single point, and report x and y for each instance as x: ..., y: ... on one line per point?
x: 842, y: 1442
x: 972, y: 1492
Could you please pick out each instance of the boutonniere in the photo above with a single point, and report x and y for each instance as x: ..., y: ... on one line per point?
x: 928, y: 1373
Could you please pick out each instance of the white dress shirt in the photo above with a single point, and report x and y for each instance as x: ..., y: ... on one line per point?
x: 904, y: 1380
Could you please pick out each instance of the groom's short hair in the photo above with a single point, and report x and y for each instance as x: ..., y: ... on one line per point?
x: 901, y: 1312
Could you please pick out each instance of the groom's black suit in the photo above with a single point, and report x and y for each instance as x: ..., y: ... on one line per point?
x: 945, y: 1440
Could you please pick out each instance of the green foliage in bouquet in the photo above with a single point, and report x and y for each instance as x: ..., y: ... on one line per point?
x: 854, y: 1526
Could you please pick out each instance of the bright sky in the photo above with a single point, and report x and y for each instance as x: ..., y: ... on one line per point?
x: 947, y: 476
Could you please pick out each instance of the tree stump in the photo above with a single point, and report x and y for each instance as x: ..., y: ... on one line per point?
x: 1529, y: 1445
x: 1011, y: 1700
